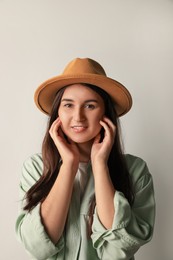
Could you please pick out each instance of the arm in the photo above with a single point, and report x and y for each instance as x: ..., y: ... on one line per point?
x: 55, y: 207
x: 132, y: 226
x: 36, y: 229
x: 119, y: 229
x: 104, y: 189
x: 29, y: 227
x: 104, y: 193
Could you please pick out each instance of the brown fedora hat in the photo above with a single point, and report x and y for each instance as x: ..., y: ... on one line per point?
x: 83, y: 71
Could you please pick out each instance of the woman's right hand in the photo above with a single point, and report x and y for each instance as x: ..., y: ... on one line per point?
x: 67, y: 148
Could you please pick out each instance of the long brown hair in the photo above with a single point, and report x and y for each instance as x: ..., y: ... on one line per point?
x: 52, y: 161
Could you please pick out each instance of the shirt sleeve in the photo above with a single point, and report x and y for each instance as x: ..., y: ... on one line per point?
x: 132, y: 226
x: 29, y: 228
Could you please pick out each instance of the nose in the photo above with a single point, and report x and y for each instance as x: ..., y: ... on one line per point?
x: 79, y: 115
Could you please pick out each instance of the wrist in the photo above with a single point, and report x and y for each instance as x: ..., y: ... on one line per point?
x: 100, y: 166
x: 70, y: 167
x: 99, y: 161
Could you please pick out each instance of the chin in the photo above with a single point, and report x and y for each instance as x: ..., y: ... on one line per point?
x: 82, y: 140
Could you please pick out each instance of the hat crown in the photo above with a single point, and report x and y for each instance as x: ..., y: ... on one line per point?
x: 83, y: 66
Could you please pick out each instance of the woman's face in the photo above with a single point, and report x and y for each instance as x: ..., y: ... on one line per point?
x: 80, y: 112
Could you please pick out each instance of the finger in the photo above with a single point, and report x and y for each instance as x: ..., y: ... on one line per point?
x: 57, y: 121
x: 55, y: 124
x: 97, y: 139
x: 105, y: 126
x: 60, y: 132
x: 109, y: 132
x: 54, y: 129
x: 110, y: 124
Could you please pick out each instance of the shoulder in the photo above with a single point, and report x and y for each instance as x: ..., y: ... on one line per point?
x: 32, y: 169
x: 137, y: 168
x: 35, y: 162
x: 34, y: 159
x: 133, y: 160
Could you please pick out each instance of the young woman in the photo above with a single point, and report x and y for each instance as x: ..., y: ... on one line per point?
x: 82, y: 198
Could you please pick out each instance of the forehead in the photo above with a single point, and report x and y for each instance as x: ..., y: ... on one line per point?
x: 81, y: 92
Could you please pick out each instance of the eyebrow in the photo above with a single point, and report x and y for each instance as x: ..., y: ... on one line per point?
x: 71, y: 100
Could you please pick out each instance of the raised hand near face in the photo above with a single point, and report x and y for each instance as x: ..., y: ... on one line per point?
x: 67, y: 148
x: 100, y: 150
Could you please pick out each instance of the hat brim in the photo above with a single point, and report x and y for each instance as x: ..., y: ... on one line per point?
x: 46, y: 92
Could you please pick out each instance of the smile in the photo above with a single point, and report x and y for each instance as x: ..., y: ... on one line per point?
x: 79, y: 129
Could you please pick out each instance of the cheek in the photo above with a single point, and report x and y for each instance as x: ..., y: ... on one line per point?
x: 62, y: 116
x: 96, y: 123
x: 96, y: 120
x: 64, y: 127
x: 97, y: 126
x: 63, y: 120
x: 98, y: 129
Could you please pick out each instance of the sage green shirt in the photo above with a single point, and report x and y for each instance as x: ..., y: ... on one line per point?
x: 132, y: 226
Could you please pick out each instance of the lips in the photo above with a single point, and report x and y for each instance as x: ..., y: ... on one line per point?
x: 79, y: 128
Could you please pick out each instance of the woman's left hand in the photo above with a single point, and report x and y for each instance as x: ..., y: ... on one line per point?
x: 100, y: 150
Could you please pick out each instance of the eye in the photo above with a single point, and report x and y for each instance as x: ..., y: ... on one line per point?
x: 68, y: 105
x: 90, y: 106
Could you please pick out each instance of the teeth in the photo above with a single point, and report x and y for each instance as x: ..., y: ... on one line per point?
x: 78, y: 127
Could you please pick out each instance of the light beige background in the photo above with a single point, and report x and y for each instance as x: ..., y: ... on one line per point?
x: 133, y: 40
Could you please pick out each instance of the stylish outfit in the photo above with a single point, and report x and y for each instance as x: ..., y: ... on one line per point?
x: 132, y: 226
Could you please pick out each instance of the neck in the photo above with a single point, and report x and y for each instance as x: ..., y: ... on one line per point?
x: 85, y: 151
